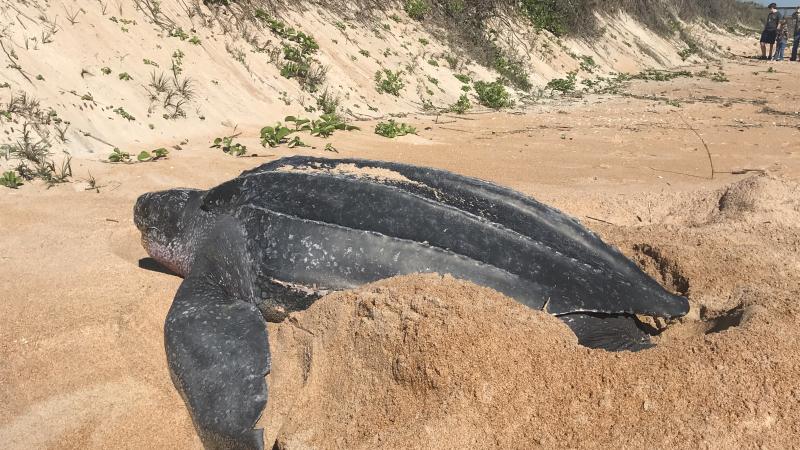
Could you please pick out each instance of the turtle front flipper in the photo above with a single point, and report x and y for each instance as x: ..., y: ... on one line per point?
x: 216, y: 343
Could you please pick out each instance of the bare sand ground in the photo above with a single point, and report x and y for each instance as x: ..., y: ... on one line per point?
x: 422, y: 362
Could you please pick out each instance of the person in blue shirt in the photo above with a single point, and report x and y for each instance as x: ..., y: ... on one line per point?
x: 771, y: 28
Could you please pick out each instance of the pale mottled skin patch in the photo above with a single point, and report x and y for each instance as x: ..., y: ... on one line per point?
x: 375, y: 173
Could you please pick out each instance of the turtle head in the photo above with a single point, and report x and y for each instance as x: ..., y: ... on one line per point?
x: 172, y: 225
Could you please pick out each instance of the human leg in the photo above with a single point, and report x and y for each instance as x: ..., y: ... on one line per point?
x: 781, y: 46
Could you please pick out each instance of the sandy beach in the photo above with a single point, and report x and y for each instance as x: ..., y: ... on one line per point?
x: 81, y: 320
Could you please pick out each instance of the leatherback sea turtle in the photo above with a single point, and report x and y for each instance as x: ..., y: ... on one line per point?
x: 279, y: 236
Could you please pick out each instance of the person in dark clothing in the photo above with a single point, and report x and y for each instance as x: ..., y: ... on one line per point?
x: 796, y: 34
x: 771, y: 28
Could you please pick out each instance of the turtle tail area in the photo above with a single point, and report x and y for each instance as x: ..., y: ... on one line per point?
x: 216, y: 343
x: 614, y: 333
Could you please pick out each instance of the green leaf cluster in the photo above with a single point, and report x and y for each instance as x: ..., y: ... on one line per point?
x: 550, y: 15
x: 10, y: 180
x: 125, y: 114
x: 393, y: 129
x: 274, y: 135
x: 563, y: 85
x: 661, y: 75
x: 493, y: 95
x: 417, y: 9
x: 119, y: 156
x: 156, y: 154
x: 389, y: 82
x: 461, y: 106
x: 325, y: 126
x: 299, y: 49
x: 227, y: 144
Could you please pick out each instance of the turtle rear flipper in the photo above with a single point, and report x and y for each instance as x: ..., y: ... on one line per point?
x: 216, y: 343
x: 609, y: 332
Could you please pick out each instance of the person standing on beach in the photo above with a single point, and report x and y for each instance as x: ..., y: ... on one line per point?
x: 796, y: 17
x: 783, y: 38
x: 770, y: 32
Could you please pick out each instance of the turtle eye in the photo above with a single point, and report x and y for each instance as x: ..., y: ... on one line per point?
x: 143, y: 212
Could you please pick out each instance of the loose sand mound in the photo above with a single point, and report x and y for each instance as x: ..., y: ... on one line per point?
x: 426, y: 362
x: 761, y: 198
x: 753, y: 200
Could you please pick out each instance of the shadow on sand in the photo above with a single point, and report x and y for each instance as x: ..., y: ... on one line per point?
x: 153, y: 265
